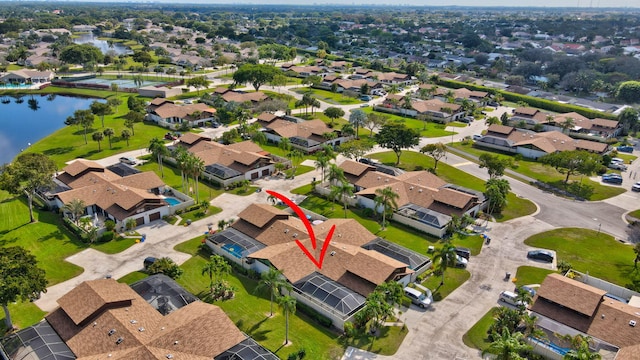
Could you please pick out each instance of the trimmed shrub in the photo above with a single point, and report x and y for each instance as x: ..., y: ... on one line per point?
x: 109, y: 225
x: 314, y: 315
x: 106, y: 236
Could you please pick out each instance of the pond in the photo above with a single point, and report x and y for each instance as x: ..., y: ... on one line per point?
x: 26, y: 119
x: 103, y: 45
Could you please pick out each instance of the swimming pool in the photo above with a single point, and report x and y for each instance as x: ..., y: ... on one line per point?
x: 233, y: 249
x: 172, y: 201
x: 556, y: 348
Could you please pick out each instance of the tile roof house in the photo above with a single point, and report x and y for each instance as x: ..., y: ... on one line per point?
x: 534, y: 145
x: 564, y: 302
x: 229, y: 95
x: 308, y: 136
x: 104, y: 319
x: 139, y: 195
x: 425, y: 201
x: 356, y: 260
x: 434, y: 109
x: 590, y: 128
x: 168, y: 114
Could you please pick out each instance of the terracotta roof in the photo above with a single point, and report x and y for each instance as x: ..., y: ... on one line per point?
x: 571, y: 294
x: 190, y: 138
x: 195, y: 331
x: 260, y: 214
x: 373, y: 266
x: 267, y: 117
x: 80, y: 165
x: 230, y: 156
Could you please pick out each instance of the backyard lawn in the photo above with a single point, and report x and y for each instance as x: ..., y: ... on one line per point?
x: 426, y: 129
x: 586, y: 250
x: 547, y: 174
x: 411, y: 161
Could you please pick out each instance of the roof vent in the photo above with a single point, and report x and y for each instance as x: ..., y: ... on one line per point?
x: 295, y: 234
x: 632, y: 323
x: 410, y: 187
x: 378, y: 177
x: 420, y: 190
x: 333, y: 253
x: 169, y: 356
x: 95, y: 324
x: 602, y: 316
x: 175, y: 342
x: 141, y: 329
x: 119, y: 341
x: 286, y: 231
x: 386, y: 180
x: 133, y: 321
x: 111, y: 332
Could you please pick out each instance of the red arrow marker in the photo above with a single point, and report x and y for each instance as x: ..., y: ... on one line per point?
x: 307, y: 225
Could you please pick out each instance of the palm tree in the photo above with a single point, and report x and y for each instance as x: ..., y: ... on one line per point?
x: 180, y: 154
x: 335, y: 174
x: 76, y: 207
x: 386, y: 198
x: 126, y: 134
x: 392, y: 290
x: 157, y: 148
x: 447, y: 255
x: 288, y: 304
x: 346, y: 191
x: 321, y: 163
x: 523, y: 297
x: 196, y: 167
x: 507, y: 346
x: 216, y: 267
x: 98, y: 136
x: 108, y: 132
x: 582, y: 353
x: 272, y: 280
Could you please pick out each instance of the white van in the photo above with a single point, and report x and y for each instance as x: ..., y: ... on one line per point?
x: 510, y: 298
x: 417, y: 297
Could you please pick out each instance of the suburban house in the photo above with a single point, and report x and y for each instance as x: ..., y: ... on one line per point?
x: 25, y: 76
x: 529, y: 116
x: 434, y: 109
x: 581, y: 126
x: 168, y: 114
x: 305, y: 71
x: 425, y: 202
x: 391, y: 78
x: 356, y: 260
x: 534, y: 145
x: 118, y: 193
x: 153, y: 319
x: 227, y: 164
x: 610, y: 317
x: 239, y: 96
x: 308, y: 136
x: 461, y: 94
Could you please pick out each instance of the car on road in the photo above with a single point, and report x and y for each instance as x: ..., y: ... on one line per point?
x: 128, y: 160
x: 636, y: 187
x: 215, y: 124
x: 467, y: 119
x: 464, y: 252
x: 612, y: 178
x: 367, y: 161
x: 461, y: 262
x: 510, y: 298
x: 625, y: 148
x: 617, y: 160
x: 417, y: 297
x: 542, y: 255
x: 364, y: 105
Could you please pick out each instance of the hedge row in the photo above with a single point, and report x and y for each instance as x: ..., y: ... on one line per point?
x: 540, y: 103
x: 313, y: 314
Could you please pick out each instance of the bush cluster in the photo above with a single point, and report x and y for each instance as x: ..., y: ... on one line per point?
x: 313, y: 314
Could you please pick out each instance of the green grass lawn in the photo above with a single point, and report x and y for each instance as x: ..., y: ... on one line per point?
x: 589, y: 251
x: 528, y: 275
x: 328, y: 96
x: 411, y: 161
x: 628, y: 158
x: 477, y: 336
x: 426, y: 129
x: 453, y: 278
x: 130, y: 278
x: 635, y: 214
x: 547, y: 174
x: 114, y: 246
x: 68, y: 143
x: 23, y: 314
x: 199, y: 214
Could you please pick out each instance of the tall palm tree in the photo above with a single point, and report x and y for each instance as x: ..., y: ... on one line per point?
x: 196, y: 168
x: 508, y: 346
x: 346, y: 191
x: 76, y: 207
x: 272, y: 280
x: 321, y: 163
x: 447, y: 256
x: 180, y: 154
x: 216, y: 267
x: 582, y: 353
x: 288, y: 304
x: 335, y: 174
x: 108, y: 132
x: 98, y: 136
x: 157, y: 148
x: 386, y: 198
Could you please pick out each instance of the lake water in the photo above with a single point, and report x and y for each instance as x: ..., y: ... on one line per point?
x: 103, y: 45
x: 27, y: 122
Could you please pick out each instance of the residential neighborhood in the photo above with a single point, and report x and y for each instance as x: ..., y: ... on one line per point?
x: 350, y: 182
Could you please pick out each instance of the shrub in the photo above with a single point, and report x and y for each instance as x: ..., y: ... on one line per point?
x: 301, y: 353
x: 349, y: 330
x: 314, y: 315
x: 367, y: 212
x: 106, y: 236
x: 405, y: 302
x: 75, y: 230
x: 293, y: 356
x: 165, y: 266
x: 109, y: 225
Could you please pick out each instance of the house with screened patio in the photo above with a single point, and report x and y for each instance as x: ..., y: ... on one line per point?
x: 356, y: 260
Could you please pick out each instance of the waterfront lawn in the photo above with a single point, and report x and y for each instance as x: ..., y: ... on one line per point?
x: 547, y: 174
x: 426, y: 129
x: 411, y: 161
x: 68, y: 142
x: 586, y: 250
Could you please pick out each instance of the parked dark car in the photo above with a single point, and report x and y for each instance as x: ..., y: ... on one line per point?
x: 542, y: 255
x: 612, y: 178
x: 464, y: 252
x: 170, y: 136
x: 148, y: 262
x: 627, y: 149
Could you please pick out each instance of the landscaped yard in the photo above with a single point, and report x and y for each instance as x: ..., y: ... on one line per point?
x: 477, y: 336
x: 411, y: 160
x: 328, y: 96
x: 453, y: 278
x: 589, y: 251
x: 530, y: 275
x: 547, y: 174
x: 426, y: 129
x: 249, y: 311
